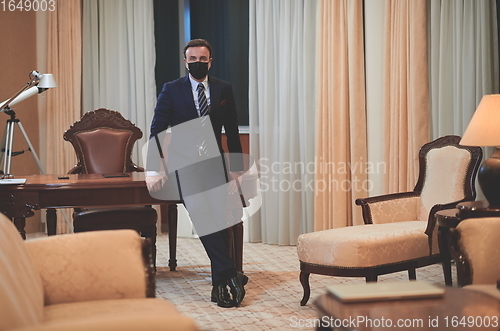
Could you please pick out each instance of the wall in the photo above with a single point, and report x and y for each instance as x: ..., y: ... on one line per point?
x: 17, y: 59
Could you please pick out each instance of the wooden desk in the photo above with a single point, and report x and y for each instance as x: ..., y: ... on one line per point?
x: 422, y: 314
x: 49, y: 192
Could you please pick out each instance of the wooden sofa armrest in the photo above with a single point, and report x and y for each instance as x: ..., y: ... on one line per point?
x: 431, y: 222
x: 75, y: 170
x: 135, y: 168
x: 386, y: 197
x: 95, y: 265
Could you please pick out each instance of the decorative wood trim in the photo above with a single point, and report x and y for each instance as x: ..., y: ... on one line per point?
x: 464, y: 269
x: 149, y: 268
x: 370, y: 273
x: 103, y: 118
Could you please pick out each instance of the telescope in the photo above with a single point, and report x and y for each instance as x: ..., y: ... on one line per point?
x: 38, y: 83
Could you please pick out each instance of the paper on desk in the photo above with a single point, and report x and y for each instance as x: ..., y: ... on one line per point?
x: 413, y: 289
x: 12, y: 181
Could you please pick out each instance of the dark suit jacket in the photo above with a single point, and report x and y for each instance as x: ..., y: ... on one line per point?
x: 175, y: 105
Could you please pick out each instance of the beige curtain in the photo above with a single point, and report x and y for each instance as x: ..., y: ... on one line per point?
x: 406, y: 95
x: 341, y: 162
x: 282, y: 120
x: 64, y: 61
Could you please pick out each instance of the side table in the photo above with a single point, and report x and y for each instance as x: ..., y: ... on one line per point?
x: 449, y: 218
x: 476, y: 209
x: 446, y: 219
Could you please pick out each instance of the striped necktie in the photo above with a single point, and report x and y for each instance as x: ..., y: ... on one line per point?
x: 202, y: 100
x: 204, y: 110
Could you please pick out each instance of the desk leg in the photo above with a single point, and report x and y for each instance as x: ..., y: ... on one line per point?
x: 20, y: 223
x: 51, y: 218
x: 164, y: 218
x: 172, y: 235
x: 443, y: 234
x: 17, y: 205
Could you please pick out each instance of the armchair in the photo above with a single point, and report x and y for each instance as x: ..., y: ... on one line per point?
x: 85, y: 281
x: 399, y: 228
x: 474, y: 246
x: 103, y: 141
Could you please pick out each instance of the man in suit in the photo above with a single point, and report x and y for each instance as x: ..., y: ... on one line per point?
x: 184, y: 105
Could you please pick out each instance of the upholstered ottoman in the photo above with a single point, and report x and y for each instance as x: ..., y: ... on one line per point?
x: 364, y: 251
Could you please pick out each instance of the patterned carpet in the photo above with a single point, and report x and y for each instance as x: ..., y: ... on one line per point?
x: 273, y: 291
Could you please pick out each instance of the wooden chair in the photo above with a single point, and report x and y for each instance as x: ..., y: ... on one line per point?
x: 103, y: 142
x: 399, y: 228
x: 475, y: 248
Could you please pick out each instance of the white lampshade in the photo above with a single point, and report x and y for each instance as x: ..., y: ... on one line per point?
x: 47, y: 81
x: 484, y: 127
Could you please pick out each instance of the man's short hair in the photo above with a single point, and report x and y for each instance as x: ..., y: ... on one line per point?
x: 198, y: 43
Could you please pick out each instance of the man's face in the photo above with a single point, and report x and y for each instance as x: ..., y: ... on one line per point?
x: 198, y: 54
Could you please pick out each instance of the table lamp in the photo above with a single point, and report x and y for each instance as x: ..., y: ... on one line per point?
x: 484, y: 130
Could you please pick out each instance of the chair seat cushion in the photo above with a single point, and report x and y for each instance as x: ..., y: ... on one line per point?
x: 119, y: 315
x: 115, y: 217
x: 365, y: 245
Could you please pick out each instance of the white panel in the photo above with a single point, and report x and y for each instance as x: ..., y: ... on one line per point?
x: 374, y: 48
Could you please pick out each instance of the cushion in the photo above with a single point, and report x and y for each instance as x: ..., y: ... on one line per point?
x: 129, y: 217
x: 74, y: 268
x: 127, y: 314
x: 444, y: 180
x: 104, y: 150
x: 21, y: 293
x: 365, y: 245
x: 395, y: 210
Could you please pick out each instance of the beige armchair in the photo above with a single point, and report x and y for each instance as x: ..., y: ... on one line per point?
x: 85, y: 281
x: 475, y: 247
x: 399, y: 228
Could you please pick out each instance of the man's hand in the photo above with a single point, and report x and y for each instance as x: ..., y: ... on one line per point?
x: 234, y: 184
x: 155, y: 181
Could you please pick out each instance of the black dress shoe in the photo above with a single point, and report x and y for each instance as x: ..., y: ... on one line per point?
x: 221, y: 296
x: 236, y: 285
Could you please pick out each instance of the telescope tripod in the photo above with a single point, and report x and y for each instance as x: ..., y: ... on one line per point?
x: 8, y: 141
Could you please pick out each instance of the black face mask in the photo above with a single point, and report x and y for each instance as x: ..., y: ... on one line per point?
x: 198, y: 69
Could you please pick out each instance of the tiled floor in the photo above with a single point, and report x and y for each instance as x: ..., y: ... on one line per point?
x: 273, y: 292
